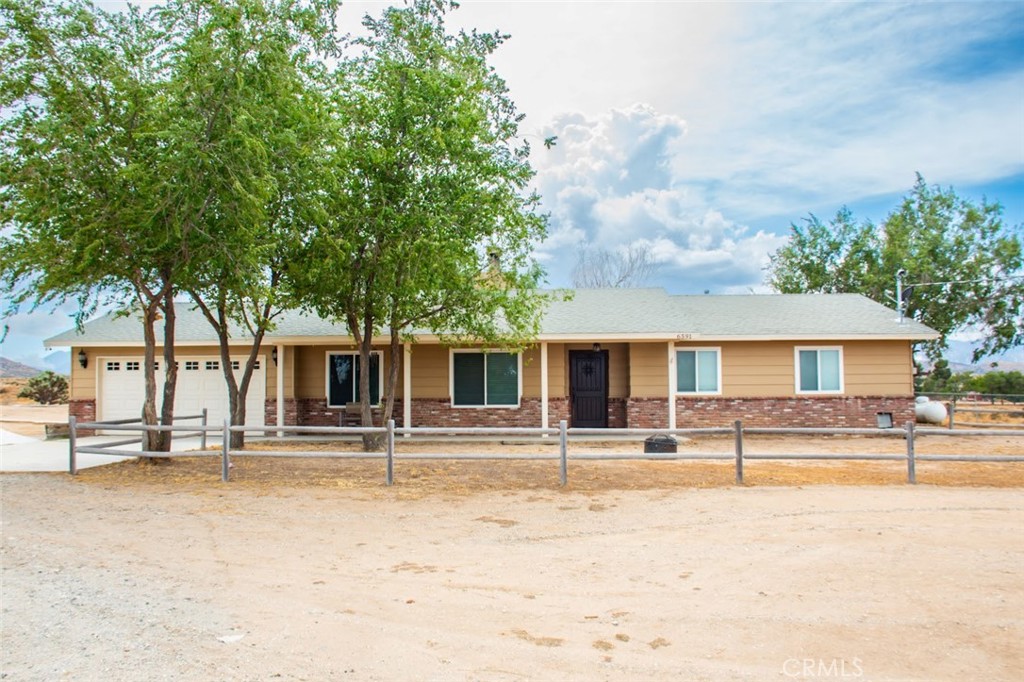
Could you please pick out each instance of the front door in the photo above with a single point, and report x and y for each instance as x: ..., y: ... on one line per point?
x: 588, y: 388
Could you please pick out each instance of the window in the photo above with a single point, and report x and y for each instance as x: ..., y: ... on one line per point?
x: 131, y: 366
x: 485, y: 379
x: 698, y: 371
x: 191, y: 365
x: 343, y: 372
x: 113, y: 366
x: 819, y: 370
x: 212, y: 364
x: 234, y: 364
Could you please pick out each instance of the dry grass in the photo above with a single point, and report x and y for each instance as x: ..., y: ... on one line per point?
x: 419, y: 478
x: 9, y: 390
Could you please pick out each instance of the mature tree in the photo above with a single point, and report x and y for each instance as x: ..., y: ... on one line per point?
x: 597, y: 268
x: 964, y: 267
x: 148, y: 154
x: 1008, y: 384
x: 253, y: 89
x: 432, y: 222
x: 80, y: 206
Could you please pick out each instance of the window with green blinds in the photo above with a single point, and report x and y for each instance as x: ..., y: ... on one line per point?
x: 482, y: 379
x: 697, y: 371
x: 820, y: 370
x: 343, y: 373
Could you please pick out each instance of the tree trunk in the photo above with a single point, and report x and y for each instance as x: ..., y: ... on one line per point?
x: 171, y: 373
x: 149, y: 438
x: 395, y: 354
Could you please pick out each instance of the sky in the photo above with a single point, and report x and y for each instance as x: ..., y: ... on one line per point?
x: 703, y: 130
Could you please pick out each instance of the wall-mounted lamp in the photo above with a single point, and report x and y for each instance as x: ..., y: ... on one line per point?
x: 597, y: 348
x: 273, y: 355
x: 83, y: 359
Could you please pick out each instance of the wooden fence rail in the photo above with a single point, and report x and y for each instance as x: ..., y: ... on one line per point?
x: 908, y: 433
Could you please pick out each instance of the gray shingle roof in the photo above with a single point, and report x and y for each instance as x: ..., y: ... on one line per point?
x: 599, y: 313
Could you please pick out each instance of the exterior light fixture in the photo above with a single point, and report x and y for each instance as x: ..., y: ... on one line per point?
x: 273, y: 355
x: 83, y: 359
x: 596, y: 348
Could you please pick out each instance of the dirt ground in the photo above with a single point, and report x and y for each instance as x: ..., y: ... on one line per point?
x: 313, y: 569
x: 166, y: 580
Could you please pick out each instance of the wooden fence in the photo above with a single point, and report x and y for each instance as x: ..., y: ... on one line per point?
x: 564, y: 434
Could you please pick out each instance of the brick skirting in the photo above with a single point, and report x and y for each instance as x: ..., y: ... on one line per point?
x: 83, y: 411
x: 805, y: 411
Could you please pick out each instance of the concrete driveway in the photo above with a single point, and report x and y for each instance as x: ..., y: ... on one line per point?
x: 22, y: 453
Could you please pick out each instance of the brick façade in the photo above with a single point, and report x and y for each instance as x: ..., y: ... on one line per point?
x: 649, y: 413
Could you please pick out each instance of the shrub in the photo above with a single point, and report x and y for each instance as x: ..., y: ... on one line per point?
x: 47, y: 388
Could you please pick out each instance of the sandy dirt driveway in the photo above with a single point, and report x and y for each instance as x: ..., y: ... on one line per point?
x: 213, y: 582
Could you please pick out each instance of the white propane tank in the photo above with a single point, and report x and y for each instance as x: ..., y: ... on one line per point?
x: 929, y: 412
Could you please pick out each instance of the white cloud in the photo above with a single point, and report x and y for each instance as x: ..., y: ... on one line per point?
x: 610, y: 183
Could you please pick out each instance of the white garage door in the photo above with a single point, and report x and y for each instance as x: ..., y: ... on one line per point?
x: 200, y: 384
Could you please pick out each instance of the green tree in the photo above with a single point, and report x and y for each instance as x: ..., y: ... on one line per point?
x: 254, y: 88
x: 432, y: 223
x: 46, y: 388
x: 964, y: 267
x: 147, y: 154
x: 1003, y: 383
x: 80, y: 203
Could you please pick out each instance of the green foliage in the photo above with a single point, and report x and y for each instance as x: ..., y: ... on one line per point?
x: 46, y: 388
x: 967, y: 267
x: 1002, y: 383
x: 150, y: 153
x: 430, y: 224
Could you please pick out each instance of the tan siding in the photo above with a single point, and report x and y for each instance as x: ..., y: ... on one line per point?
x: 766, y: 368
x: 557, y: 377
x: 531, y: 373
x: 429, y: 372
x: 757, y: 369
x: 648, y: 370
x: 878, y: 368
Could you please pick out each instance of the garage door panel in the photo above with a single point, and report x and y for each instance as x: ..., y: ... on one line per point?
x: 200, y: 384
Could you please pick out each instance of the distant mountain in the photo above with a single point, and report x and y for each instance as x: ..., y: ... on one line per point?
x: 9, y: 369
x: 59, y: 362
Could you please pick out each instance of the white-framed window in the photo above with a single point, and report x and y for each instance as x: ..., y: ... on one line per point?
x: 699, y: 370
x: 485, y: 378
x: 819, y: 369
x: 343, y: 372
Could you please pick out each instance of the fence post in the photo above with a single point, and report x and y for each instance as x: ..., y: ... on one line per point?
x: 738, y: 425
x: 563, y: 452
x: 952, y: 411
x: 72, y: 444
x: 911, y: 462
x: 225, y: 462
x: 202, y: 438
x: 391, y: 452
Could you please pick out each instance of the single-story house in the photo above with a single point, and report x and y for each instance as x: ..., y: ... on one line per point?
x: 636, y: 358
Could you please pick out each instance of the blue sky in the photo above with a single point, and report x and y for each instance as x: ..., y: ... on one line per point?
x: 705, y: 129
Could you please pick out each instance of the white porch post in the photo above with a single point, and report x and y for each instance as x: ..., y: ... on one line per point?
x: 544, y: 420
x: 407, y: 386
x: 280, y: 388
x: 672, y: 384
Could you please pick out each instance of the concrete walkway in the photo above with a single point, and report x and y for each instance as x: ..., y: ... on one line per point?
x: 53, y: 455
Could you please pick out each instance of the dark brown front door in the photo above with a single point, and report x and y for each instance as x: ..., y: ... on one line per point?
x: 588, y: 388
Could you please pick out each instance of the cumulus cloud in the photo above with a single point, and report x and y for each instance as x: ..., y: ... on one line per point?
x: 610, y: 183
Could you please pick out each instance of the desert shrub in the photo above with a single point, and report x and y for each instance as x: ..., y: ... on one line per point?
x: 47, y: 388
